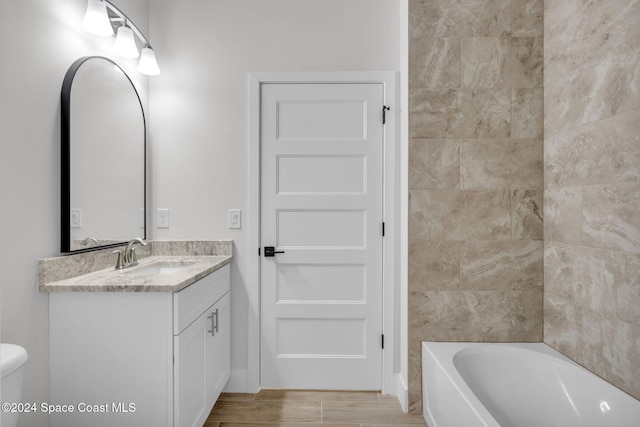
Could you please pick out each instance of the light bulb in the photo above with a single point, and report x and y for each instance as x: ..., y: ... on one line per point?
x: 148, y: 64
x: 125, y: 44
x: 96, y: 19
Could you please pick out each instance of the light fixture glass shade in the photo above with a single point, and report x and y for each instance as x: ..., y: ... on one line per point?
x: 125, y: 44
x: 148, y: 64
x: 96, y: 20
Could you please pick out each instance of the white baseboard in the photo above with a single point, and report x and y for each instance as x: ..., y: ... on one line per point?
x: 237, y: 381
x: 402, y: 391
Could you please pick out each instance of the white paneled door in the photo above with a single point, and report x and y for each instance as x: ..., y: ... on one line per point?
x: 322, y: 212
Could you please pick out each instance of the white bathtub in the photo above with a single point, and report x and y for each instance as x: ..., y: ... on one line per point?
x: 517, y: 385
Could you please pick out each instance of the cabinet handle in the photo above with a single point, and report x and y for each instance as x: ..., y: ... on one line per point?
x: 214, y: 323
x: 213, y: 329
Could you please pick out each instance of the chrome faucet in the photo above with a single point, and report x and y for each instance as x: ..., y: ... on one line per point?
x: 128, y: 257
x: 90, y: 239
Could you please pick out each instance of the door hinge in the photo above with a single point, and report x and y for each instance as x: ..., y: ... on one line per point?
x: 383, y: 341
x: 258, y: 251
x: 384, y: 113
x: 383, y: 229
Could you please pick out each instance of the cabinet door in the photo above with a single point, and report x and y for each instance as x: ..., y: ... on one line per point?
x: 218, y: 365
x: 202, y: 364
x: 190, y: 358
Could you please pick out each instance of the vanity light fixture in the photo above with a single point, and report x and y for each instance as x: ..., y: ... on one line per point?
x: 148, y: 64
x: 125, y: 45
x: 96, y: 19
x: 104, y: 19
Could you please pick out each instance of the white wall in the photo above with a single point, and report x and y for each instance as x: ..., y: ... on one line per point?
x: 199, y: 105
x: 39, y: 40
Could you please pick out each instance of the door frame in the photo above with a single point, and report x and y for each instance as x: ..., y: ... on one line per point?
x: 391, y: 253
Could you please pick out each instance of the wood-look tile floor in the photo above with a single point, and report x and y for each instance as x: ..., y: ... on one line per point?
x: 301, y: 408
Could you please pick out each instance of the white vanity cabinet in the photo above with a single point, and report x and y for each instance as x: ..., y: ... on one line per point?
x: 201, y: 364
x: 139, y: 358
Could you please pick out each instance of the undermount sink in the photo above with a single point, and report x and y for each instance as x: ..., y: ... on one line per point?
x: 160, y: 268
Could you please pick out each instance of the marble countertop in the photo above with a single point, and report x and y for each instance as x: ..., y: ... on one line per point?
x: 136, y: 279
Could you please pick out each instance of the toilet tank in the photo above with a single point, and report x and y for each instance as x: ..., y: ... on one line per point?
x: 12, y: 358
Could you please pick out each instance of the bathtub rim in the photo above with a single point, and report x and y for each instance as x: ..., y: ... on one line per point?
x: 443, y: 353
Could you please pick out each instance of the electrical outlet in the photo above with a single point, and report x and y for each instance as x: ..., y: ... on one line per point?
x: 162, y: 218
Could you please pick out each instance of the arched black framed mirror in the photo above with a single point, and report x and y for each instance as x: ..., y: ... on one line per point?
x: 103, y: 157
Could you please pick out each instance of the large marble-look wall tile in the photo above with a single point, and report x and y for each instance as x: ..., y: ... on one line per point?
x: 502, y: 62
x: 592, y: 62
x: 583, y: 33
x: 459, y: 113
x: 627, y: 288
x: 434, y: 163
x: 459, y: 215
x: 605, y: 151
x: 487, y: 316
x: 611, y: 349
x: 524, y: 65
x: 475, y: 180
x: 501, y: 265
x: 434, y: 265
x: 602, y: 216
x: 561, y: 278
x: 593, y: 278
x: 501, y: 163
x: 600, y: 342
x: 611, y: 216
x: 602, y: 280
x: 415, y: 377
x: 562, y: 324
x: 591, y: 310
x: 563, y: 215
x: 526, y: 18
x: 435, y: 63
x: 592, y: 93
x: 526, y: 215
x: 592, y: 180
x: 484, y: 62
x: 445, y: 18
x: 526, y: 113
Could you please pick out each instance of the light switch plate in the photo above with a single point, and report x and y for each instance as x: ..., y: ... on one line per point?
x: 235, y: 218
x: 162, y: 218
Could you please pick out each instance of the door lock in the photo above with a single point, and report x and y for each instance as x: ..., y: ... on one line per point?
x: 270, y: 251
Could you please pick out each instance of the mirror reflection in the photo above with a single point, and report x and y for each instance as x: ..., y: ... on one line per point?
x: 103, y: 156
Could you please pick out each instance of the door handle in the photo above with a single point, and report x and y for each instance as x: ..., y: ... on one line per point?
x: 270, y: 251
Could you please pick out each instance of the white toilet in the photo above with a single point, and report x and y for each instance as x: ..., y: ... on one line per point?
x: 12, y: 358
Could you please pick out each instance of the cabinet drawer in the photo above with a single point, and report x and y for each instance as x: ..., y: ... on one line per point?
x: 191, y: 302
